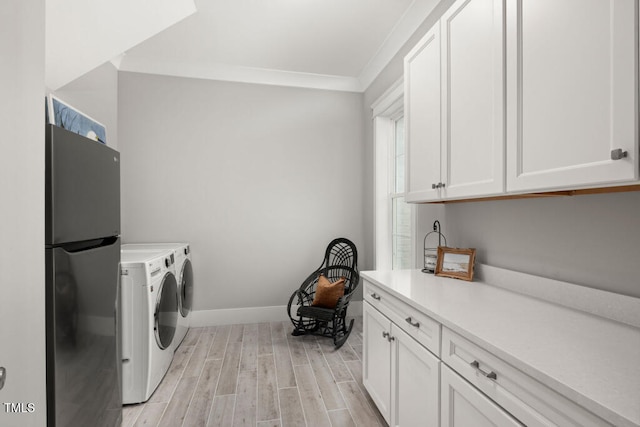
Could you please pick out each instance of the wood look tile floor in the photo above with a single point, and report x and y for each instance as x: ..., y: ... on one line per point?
x: 259, y: 375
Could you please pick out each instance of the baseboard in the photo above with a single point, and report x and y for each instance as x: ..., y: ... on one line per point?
x: 231, y: 316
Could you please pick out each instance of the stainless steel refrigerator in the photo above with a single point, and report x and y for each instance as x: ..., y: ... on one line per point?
x: 82, y: 252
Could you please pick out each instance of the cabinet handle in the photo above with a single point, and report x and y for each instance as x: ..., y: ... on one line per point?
x: 410, y: 321
x: 433, y: 186
x: 388, y: 336
x: 618, y: 154
x: 375, y: 296
x: 491, y: 375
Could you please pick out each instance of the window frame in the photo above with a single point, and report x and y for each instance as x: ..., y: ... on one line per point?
x: 386, y: 111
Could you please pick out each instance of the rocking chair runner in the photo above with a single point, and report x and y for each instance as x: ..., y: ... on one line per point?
x: 340, y: 261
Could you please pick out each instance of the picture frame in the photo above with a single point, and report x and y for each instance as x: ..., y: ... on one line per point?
x: 63, y: 115
x: 456, y: 263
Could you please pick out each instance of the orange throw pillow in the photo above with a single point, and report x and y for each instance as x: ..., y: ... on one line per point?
x: 327, y: 293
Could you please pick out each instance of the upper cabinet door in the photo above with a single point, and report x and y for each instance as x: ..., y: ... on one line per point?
x: 572, y: 90
x: 422, y: 118
x: 473, y: 98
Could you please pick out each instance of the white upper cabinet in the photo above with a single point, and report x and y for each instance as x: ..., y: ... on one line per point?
x: 572, y: 91
x: 517, y: 96
x: 473, y: 99
x: 454, y: 105
x: 422, y: 118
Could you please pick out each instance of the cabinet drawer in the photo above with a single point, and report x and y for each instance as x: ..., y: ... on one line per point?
x: 463, y: 405
x: 421, y: 327
x: 529, y: 401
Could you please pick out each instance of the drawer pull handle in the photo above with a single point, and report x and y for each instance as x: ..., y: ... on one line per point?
x: 410, y: 321
x: 388, y: 336
x: 491, y: 375
x: 618, y: 154
x: 375, y: 296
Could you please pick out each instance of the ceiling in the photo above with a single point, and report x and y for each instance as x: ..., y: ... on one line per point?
x: 82, y: 35
x: 333, y: 44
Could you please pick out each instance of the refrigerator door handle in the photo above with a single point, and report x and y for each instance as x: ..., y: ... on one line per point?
x: 86, y: 245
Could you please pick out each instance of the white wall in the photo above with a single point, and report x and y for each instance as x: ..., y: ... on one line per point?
x: 587, y: 240
x: 257, y: 178
x: 96, y: 94
x: 22, y: 308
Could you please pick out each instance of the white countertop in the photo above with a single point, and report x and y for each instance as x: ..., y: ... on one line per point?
x: 589, y: 359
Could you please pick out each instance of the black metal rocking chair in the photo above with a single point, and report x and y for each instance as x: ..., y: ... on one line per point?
x: 340, y: 261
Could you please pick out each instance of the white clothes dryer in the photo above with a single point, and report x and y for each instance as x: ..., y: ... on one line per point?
x: 184, y: 275
x: 149, y: 317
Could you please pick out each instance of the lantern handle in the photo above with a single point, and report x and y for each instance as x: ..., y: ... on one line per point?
x: 436, y: 228
x: 431, y: 253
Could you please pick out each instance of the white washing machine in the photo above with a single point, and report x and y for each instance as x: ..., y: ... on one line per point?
x: 184, y: 275
x: 149, y: 317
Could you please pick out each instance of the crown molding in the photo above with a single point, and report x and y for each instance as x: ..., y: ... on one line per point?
x: 236, y: 73
x: 404, y: 29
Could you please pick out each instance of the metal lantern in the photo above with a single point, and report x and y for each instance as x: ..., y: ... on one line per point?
x: 431, y: 251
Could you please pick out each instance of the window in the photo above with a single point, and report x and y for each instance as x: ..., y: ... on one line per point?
x: 401, y: 212
x: 394, y: 219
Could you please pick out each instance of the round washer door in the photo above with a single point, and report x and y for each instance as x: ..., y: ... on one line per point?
x: 186, y: 288
x: 166, y: 315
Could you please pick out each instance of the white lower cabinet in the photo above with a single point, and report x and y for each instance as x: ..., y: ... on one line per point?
x: 421, y: 373
x: 401, y: 376
x: 528, y: 400
x: 376, y: 354
x: 464, y: 406
x: 415, y: 380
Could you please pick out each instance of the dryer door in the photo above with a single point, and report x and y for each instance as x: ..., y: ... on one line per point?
x: 186, y: 288
x: 166, y: 314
